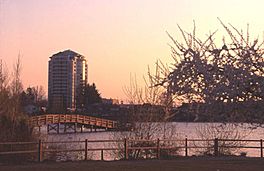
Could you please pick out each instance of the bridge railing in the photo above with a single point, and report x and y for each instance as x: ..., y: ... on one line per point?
x: 125, y: 146
x: 41, y: 120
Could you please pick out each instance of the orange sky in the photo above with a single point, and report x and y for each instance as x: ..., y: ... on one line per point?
x: 118, y: 37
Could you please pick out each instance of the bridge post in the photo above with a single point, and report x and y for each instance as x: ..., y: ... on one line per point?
x: 81, y: 128
x: 58, y: 128
x: 75, y: 127
x: 65, y: 127
x: 48, y: 129
x: 91, y: 128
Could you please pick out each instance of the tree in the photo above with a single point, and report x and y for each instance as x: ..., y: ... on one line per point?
x: 151, y: 94
x: 209, y: 131
x: 223, y: 77
x: 33, y: 95
x: 13, y: 122
x: 16, y: 88
x: 4, y: 90
x: 150, y: 109
x: 91, y: 95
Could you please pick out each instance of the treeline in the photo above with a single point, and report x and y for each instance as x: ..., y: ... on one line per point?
x: 248, y: 112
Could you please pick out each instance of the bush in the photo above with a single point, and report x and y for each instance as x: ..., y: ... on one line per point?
x: 16, y: 131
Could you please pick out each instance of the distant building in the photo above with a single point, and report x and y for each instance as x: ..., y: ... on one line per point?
x: 31, y: 109
x: 110, y: 101
x: 67, y: 76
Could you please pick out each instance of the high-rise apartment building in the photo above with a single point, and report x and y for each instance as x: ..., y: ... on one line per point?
x: 67, y: 76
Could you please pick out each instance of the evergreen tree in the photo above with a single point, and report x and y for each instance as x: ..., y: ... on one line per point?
x: 91, y: 95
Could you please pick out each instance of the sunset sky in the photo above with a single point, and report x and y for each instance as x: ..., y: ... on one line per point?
x: 117, y: 37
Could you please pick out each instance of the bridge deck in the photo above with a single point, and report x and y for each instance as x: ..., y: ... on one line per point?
x: 37, y: 121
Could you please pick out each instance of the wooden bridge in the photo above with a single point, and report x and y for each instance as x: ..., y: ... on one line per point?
x: 71, y: 122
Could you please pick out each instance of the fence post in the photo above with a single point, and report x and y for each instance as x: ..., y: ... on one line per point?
x: 186, y: 147
x: 126, y: 148
x: 158, y: 148
x: 261, y: 148
x: 86, y: 148
x: 40, y: 151
x: 102, y: 155
x: 216, y: 146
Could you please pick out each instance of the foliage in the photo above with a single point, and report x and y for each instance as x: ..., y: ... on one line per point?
x: 54, y: 155
x: 208, y: 132
x: 33, y: 96
x: 87, y: 96
x: 150, y: 109
x: 146, y: 134
x: 152, y: 98
x: 91, y: 94
x: 231, y: 73
x: 14, y: 130
x: 13, y: 122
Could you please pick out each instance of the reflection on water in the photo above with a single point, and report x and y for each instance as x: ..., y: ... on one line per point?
x: 182, y: 130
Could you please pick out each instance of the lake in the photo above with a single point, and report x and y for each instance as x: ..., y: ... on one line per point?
x: 172, y: 130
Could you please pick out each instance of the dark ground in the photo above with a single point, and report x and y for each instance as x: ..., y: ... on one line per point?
x: 181, y: 164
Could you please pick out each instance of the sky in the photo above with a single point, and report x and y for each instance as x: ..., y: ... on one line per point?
x: 119, y: 38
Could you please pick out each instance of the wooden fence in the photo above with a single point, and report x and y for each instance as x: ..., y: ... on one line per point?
x: 126, y: 146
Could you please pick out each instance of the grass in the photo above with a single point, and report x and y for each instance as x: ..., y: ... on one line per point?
x: 180, y: 164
